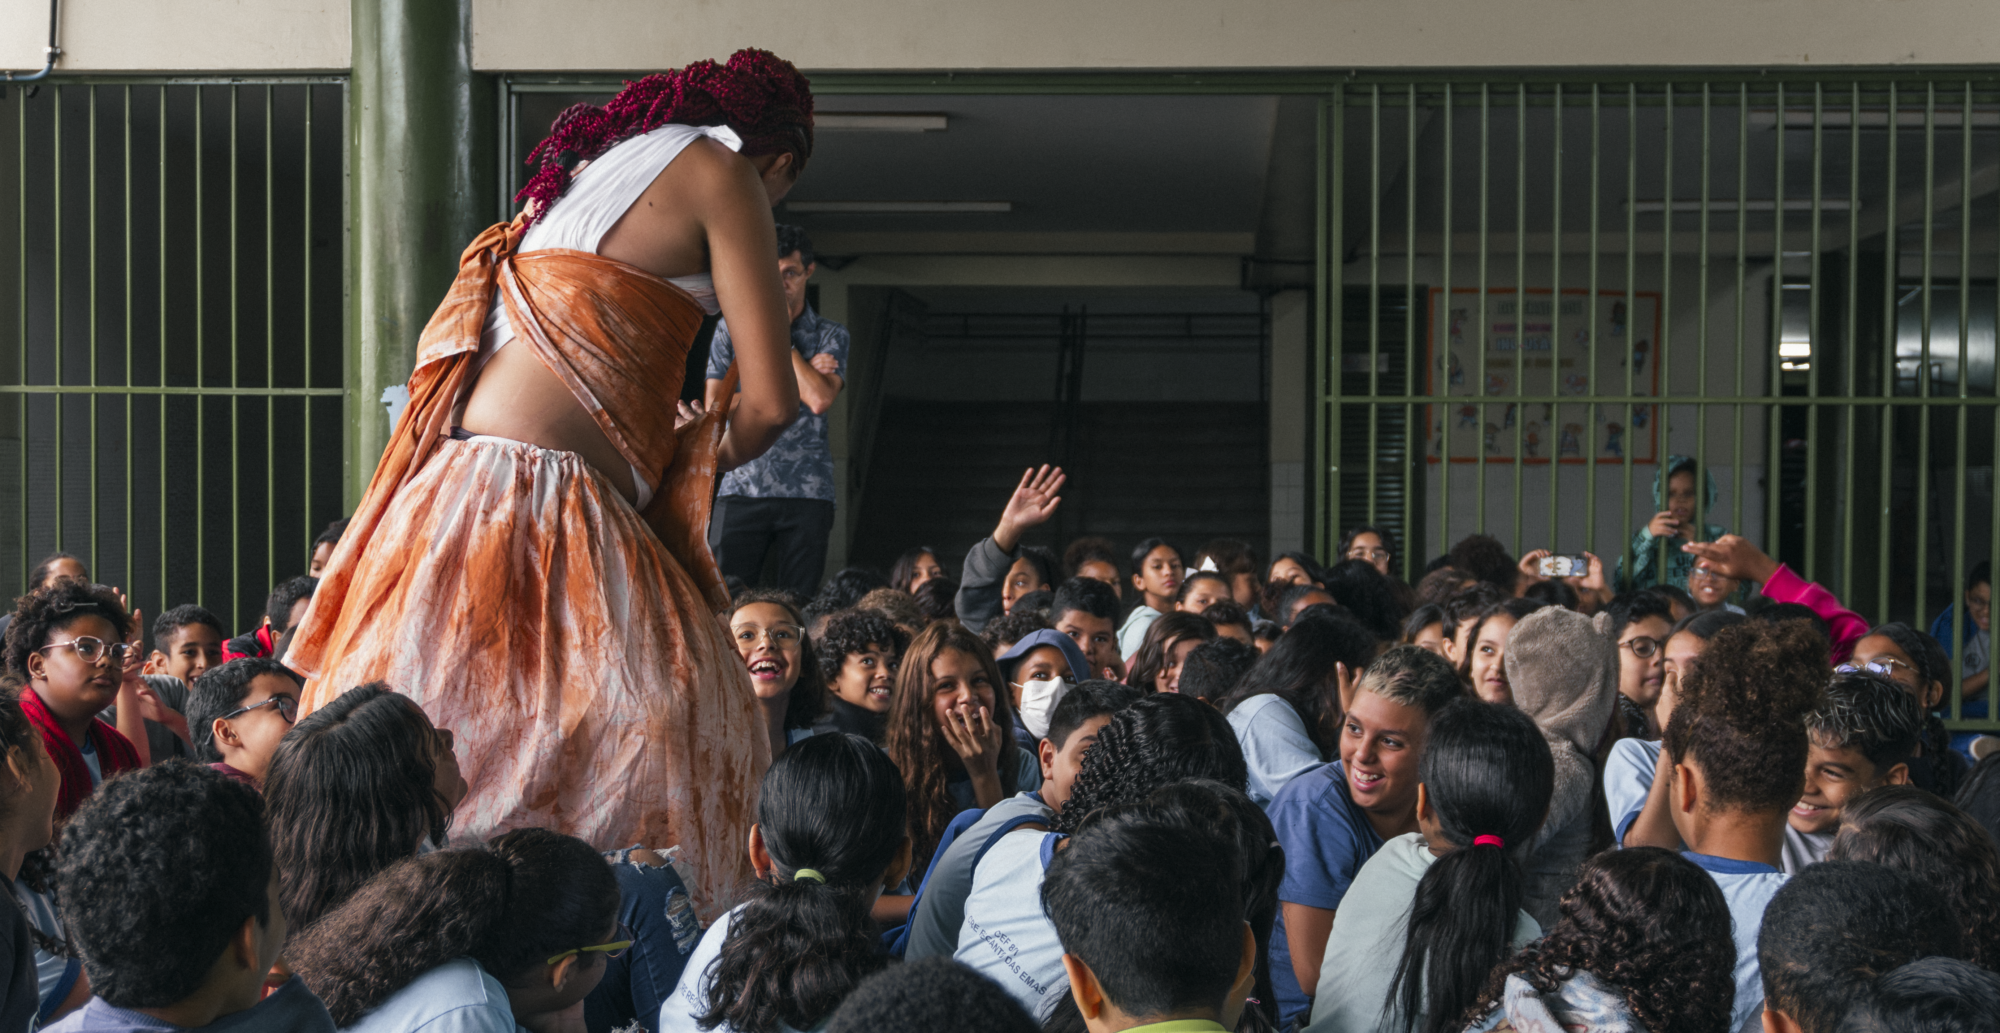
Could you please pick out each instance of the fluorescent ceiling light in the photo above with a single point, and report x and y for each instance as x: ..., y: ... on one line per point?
x: 897, y: 207
x: 879, y: 122
x: 1726, y: 205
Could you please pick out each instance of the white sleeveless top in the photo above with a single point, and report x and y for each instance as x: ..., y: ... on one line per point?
x: 596, y: 199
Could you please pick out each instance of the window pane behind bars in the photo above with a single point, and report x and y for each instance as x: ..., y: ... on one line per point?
x: 1548, y: 288
x: 170, y: 352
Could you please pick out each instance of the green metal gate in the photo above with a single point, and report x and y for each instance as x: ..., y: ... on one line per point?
x: 172, y: 287
x: 1534, y: 291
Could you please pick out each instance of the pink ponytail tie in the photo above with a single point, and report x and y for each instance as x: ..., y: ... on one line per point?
x: 1489, y: 840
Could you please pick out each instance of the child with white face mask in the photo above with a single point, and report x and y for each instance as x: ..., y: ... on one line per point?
x: 1039, y: 669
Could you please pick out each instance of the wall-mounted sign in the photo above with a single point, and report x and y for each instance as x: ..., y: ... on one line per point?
x: 1517, y: 362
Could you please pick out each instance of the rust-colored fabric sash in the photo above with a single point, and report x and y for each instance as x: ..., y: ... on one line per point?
x: 616, y: 334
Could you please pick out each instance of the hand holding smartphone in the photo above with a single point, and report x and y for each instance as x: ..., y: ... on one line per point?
x: 1563, y: 566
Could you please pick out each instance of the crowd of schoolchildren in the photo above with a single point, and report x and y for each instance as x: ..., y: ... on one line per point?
x: 1112, y: 788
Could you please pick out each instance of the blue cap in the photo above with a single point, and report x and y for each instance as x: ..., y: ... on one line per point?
x: 1079, y: 668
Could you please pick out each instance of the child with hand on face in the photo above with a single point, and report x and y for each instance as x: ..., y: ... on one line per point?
x: 1072, y: 727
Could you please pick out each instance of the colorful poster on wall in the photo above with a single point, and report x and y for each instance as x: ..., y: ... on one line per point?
x: 1518, y: 359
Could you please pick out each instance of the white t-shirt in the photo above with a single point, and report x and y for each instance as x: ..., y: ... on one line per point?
x: 1747, y: 887
x: 1275, y: 744
x: 455, y: 997
x: 1628, y: 778
x: 689, y: 1001
x: 1366, y: 943
x: 1007, y: 937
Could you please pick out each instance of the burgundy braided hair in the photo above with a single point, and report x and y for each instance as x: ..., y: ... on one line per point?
x: 757, y: 94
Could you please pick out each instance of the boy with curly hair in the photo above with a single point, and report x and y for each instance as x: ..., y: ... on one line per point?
x: 1739, y: 746
x: 171, y: 896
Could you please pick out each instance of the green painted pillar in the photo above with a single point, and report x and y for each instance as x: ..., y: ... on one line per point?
x: 420, y: 187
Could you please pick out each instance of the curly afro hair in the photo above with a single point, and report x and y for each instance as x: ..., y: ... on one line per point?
x: 53, y: 607
x: 1482, y: 556
x: 160, y: 869
x: 1649, y: 924
x: 1009, y: 628
x: 1165, y: 737
x: 852, y: 631
x: 1742, y: 713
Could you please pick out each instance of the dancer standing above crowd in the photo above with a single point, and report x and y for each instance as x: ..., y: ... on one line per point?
x: 528, y: 563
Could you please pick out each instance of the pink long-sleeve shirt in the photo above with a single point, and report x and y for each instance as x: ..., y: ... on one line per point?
x: 1843, y: 625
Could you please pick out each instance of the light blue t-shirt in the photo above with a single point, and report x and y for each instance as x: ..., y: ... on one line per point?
x: 690, y: 997
x: 1747, y: 887
x: 1628, y: 778
x: 1007, y: 937
x: 1275, y: 744
x: 1133, y: 633
x: 940, y: 913
x: 455, y: 997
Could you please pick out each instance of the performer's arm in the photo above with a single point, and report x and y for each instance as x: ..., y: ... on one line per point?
x: 735, y: 210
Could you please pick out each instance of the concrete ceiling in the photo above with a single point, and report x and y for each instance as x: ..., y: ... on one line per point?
x: 1109, y: 173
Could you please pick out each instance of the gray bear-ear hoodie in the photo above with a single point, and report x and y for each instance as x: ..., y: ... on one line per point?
x: 1563, y: 670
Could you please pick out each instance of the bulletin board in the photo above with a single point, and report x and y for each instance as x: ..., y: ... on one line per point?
x: 1551, y: 347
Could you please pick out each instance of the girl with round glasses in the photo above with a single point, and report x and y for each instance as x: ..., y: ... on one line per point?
x: 68, y: 639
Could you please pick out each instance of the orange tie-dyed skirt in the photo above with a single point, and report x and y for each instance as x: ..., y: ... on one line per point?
x: 514, y: 594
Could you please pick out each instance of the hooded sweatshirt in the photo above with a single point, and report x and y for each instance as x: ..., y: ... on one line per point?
x: 1563, y: 669
x: 1645, y: 547
x: 1010, y: 663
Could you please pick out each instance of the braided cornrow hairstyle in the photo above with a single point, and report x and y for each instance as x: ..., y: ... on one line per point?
x: 757, y: 94
x: 1164, y: 737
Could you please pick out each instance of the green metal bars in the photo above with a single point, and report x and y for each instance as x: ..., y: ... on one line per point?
x: 172, y: 285
x: 1533, y: 293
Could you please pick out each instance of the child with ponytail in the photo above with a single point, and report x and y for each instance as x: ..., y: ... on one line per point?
x: 477, y: 940
x: 1434, y: 911
x: 829, y: 838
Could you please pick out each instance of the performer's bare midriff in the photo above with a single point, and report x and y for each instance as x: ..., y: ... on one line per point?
x: 708, y: 211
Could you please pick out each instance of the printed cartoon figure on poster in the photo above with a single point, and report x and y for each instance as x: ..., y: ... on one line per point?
x: 1570, y: 441
x: 1544, y: 344
x: 1531, y: 440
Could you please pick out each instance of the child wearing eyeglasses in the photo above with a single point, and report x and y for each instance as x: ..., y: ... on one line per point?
x: 239, y: 711
x: 69, y: 639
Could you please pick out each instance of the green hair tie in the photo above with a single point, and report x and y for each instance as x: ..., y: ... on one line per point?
x: 808, y: 875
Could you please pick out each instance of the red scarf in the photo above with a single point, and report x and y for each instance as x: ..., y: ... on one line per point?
x: 114, y: 753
